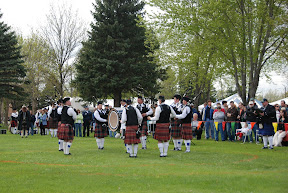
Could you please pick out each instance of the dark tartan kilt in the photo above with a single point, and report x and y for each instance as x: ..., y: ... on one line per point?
x: 14, y: 123
x: 175, y: 129
x: 100, y: 131
x: 162, y: 132
x: 66, y: 132
x: 187, y: 131
x: 53, y: 124
x: 24, y: 127
x: 59, y: 129
x: 130, y: 135
x: 144, y: 128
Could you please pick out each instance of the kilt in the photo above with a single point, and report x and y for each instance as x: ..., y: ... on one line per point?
x: 52, y: 124
x: 162, y: 132
x: 24, y: 127
x: 130, y: 135
x: 175, y: 129
x: 14, y: 123
x: 100, y: 131
x: 59, y: 128
x: 186, y: 131
x: 268, y: 129
x: 144, y: 128
x: 66, y: 132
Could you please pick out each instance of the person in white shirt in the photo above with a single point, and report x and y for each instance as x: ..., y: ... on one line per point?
x: 59, y: 111
x: 14, y: 122
x: 243, y: 130
x: 68, y: 116
x: 132, y: 118
x: 175, y: 124
x: 163, y: 113
x: 53, y: 120
x: 101, y: 126
x: 145, y: 111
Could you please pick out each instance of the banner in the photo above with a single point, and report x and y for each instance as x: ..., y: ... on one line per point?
x: 199, y: 124
x: 223, y: 125
x: 275, y: 125
x: 252, y: 124
x: 216, y: 125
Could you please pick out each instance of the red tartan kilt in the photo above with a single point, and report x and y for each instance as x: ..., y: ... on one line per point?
x: 175, y: 129
x: 130, y: 135
x: 66, y: 132
x: 144, y: 129
x: 59, y: 129
x: 52, y: 124
x: 187, y: 131
x: 100, y: 132
x: 37, y: 124
x: 14, y: 123
x: 162, y: 132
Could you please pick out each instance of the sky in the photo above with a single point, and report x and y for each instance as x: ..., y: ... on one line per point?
x: 24, y: 15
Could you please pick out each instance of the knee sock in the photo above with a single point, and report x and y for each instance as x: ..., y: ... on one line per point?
x: 60, y: 142
x: 143, y: 141
x: 65, y: 147
x: 26, y: 133
x: 270, y: 138
x: 68, y: 147
x: 187, y: 145
x: 51, y: 132
x: 265, y: 141
x: 22, y: 133
x: 129, y: 147
x: 175, y: 143
x: 166, y: 145
x: 161, y: 146
x: 135, y: 149
x: 179, y: 144
x: 98, y: 141
x: 55, y: 132
x: 102, y: 142
x: 126, y: 146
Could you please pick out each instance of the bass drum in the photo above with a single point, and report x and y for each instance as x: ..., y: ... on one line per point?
x: 113, y: 120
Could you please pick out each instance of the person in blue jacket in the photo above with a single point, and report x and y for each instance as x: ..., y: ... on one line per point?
x: 208, y: 118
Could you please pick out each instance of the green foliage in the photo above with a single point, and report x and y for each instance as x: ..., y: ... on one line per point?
x: 11, y: 70
x: 35, y: 165
x: 117, y: 56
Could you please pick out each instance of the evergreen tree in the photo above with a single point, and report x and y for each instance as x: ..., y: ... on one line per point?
x: 12, y: 73
x: 117, y: 57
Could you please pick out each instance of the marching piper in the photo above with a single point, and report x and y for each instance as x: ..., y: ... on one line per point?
x: 24, y: 121
x: 59, y: 111
x: 101, y: 126
x: 175, y: 125
x: 14, y: 122
x: 145, y: 111
x: 68, y: 116
x: 132, y: 118
x: 162, y: 117
x: 53, y: 120
x: 185, y: 118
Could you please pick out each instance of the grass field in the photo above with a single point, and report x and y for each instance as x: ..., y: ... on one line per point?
x: 35, y: 165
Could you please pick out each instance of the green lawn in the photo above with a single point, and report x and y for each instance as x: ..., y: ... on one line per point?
x: 35, y: 165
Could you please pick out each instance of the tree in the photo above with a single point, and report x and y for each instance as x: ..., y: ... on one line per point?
x: 243, y: 36
x: 12, y: 73
x: 63, y: 33
x: 117, y: 57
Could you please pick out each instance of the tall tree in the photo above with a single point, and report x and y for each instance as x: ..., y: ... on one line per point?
x: 116, y: 58
x: 63, y: 33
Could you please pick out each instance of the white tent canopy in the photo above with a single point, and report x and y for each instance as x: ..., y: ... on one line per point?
x: 279, y: 101
x: 235, y: 97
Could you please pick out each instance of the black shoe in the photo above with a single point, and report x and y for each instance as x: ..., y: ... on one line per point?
x: 127, y: 152
x: 102, y: 148
x: 175, y: 149
x: 131, y: 156
x: 135, y: 156
x: 144, y: 147
x: 264, y: 147
x: 61, y: 150
x: 270, y: 147
x: 68, y: 154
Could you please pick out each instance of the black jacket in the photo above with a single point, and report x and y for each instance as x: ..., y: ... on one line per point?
x: 269, y: 114
x: 20, y: 117
x: 250, y: 116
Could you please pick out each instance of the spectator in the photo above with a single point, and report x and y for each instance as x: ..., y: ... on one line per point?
x: 268, y: 116
x: 231, y: 114
x: 277, y: 109
x: 219, y: 105
x: 202, y: 111
x: 241, y: 113
x: 219, y: 117
x: 224, y: 103
x: 42, y: 121
x: 283, y: 105
x: 196, y: 132
x: 46, y: 126
x: 32, y: 122
x: 78, y: 123
x: 87, y: 118
x: 208, y: 118
x: 243, y: 130
x: 281, y: 133
x: 24, y: 121
x: 252, y: 116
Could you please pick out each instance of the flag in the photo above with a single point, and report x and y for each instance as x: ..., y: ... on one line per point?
x: 199, y: 124
x: 223, y: 125
x: 233, y: 126
x: 216, y: 125
x: 252, y: 124
x: 275, y: 125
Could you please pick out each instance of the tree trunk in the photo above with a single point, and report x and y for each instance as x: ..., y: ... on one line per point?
x: 34, y: 105
x: 1, y: 103
x: 117, y: 97
x: 6, y: 110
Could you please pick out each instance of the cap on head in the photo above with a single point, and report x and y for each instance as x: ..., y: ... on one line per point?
x: 186, y: 99
x: 162, y: 98
x: 129, y: 102
x: 66, y: 99
x: 177, y: 96
x: 251, y: 103
x: 99, y: 103
x: 264, y: 100
x: 123, y: 100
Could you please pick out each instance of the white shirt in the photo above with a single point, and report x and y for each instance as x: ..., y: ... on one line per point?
x: 150, y: 111
x: 184, y: 113
x: 72, y: 113
x: 59, y: 110
x: 178, y: 106
x: 97, y: 116
x: 15, y: 115
x: 124, y: 116
x: 158, y: 111
x: 50, y: 111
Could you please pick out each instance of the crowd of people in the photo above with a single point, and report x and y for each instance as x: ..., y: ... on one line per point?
x: 177, y: 122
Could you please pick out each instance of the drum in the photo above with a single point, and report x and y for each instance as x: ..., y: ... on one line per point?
x: 113, y: 120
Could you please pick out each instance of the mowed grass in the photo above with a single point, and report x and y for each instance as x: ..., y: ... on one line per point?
x: 35, y: 165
